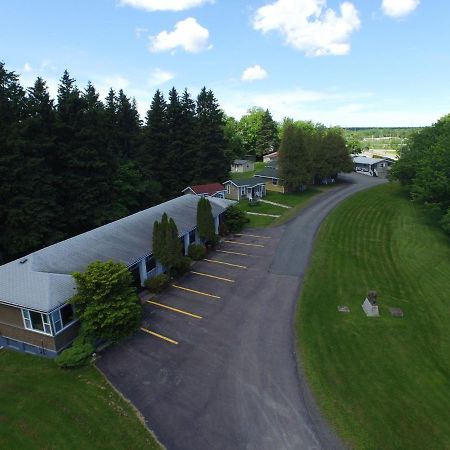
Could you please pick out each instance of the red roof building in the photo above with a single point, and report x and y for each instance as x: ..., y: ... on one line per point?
x: 206, y: 190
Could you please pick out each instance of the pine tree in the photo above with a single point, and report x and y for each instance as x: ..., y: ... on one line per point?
x: 212, y: 165
x: 267, y: 138
x: 166, y: 243
x: 188, y: 162
x: 205, y: 221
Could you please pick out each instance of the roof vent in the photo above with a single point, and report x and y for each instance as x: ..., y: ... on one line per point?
x: 23, y: 261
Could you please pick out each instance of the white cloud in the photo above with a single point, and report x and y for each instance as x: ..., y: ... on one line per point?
x: 158, y: 77
x: 188, y: 34
x: 27, y: 67
x: 309, y: 26
x: 255, y: 72
x: 164, y: 5
x: 399, y: 8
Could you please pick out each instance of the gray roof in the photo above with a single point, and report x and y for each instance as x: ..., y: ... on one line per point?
x: 250, y: 182
x: 268, y: 172
x: 43, y: 280
x: 241, y: 161
x: 366, y: 160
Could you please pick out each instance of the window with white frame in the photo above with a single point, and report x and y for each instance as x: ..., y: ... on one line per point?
x: 275, y: 181
x: 243, y: 190
x: 228, y: 188
x: 50, y: 324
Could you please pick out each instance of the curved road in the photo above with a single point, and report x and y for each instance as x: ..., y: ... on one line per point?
x: 233, y: 381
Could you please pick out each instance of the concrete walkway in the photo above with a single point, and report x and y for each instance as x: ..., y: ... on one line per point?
x: 275, y: 203
x: 262, y: 214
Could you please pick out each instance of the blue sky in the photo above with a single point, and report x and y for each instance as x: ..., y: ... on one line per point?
x: 351, y: 63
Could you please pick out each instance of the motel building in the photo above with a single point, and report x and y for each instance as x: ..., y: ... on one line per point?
x: 35, y: 315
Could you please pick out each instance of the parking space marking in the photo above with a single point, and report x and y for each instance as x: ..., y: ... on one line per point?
x: 194, y: 291
x: 233, y: 253
x: 196, y: 316
x: 253, y: 235
x: 159, y: 336
x: 243, y: 243
x: 212, y: 276
x: 225, y: 263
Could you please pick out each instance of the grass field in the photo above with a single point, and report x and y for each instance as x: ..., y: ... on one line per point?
x: 384, y: 383
x: 45, y: 407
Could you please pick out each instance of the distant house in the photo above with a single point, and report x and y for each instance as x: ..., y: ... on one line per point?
x: 35, y: 315
x: 251, y: 188
x: 270, y: 156
x: 374, y: 167
x: 271, y: 179
x: 206, y: 190
x: 242, y: 165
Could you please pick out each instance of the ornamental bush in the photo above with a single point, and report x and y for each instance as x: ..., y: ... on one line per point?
x: 183, y: 265
x: 196, y: 252
x: 235, y: 219
x: 77, y: 355
x: 158, y: 283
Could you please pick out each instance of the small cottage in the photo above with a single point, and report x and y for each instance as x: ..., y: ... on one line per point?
x: 251, y: 188
x: 206, y: 190
x: 374, y: 167
x: 242, y: 165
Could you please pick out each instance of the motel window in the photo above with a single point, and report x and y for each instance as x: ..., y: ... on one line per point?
x: 242, y: 190
x: 228, y: 188
x: 36, y: 321
x: 150, y: 263
x: 50, y: 324
x: 191, y: 237
x: 274, y: 181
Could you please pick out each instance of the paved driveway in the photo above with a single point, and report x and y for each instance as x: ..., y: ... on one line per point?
x: 227, y: 377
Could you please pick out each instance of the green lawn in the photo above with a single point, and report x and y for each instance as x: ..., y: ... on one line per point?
x: 45, y: 407
x: 383, y: 382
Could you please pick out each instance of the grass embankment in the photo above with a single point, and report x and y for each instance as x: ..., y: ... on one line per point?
x: 383, y: 382
x: 43, y: 406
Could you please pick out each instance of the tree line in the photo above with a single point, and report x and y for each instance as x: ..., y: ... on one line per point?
x: 424, y: 168
x: 72, y: 164
x: 311, y: 154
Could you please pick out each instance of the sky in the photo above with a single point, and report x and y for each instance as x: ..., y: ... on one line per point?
x: 354, y: 63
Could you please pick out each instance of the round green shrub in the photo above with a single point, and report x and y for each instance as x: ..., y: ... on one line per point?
x: 75, y: 356
x: 183, y: 265
x: 158, y: 283
x: 196, y: 252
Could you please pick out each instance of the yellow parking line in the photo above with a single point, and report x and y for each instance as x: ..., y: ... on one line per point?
x: 225, y: 263
x: 194, y: 291
x: 253, y: 235
x: 242, y: 243
x: 233, y: 253
x: 159, y: 336
x: 175, y: 309
x: 212, y: 276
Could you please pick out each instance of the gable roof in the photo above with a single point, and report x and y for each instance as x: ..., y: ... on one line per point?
x: 43, y: 280
x: 367, y: 160
x: 247, y: 182
x: 208, y: 189
x: 268, y: 172
x: 241, y: 161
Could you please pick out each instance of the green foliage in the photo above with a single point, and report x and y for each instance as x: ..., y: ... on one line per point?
x: 205, y: 221
x: 424, y: 167
x: 258, y: 132
x: 157, y: 283
x: 77, y: 355
x: 183, y: 265
x: 235, y: 219
x: 223, y: 229
x: 196, y: 252
x: 166, y: 243
x: 106, y: 302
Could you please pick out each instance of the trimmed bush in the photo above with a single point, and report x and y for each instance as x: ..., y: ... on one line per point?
x: 75, y: 356
x: 223, y: 230
x: 197, y: 252
x: 183, y: 265
x: 235, y: 219
x: 158, y: 283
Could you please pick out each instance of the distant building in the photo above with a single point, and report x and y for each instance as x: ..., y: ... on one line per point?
x: 251, y: 188
x: 206, y: 190
x: 374, y: 167
x: 270, y: 156
x: 242, y: 165
x: 271, y: 179
x: 35, y: 315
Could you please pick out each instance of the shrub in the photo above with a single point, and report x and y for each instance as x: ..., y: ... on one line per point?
x: 235, y: 219
x: 223, y: 229
x: 183, y: 265
x: 75, y: 356
x: 158, y: 283
x: 196, y: 252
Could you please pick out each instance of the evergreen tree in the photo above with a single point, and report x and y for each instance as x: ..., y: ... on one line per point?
x: 212, y: 164
x: 234, y: 148
x: 128, y: 125
x: 188, y: 163
x: 267, y: 138
x: 205, y: 221
x: 166, y: 243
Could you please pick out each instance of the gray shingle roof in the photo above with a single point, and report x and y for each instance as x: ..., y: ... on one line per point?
x: 250, y: 182
x: 44, y: 281
x: 268, y: 172
x: 366, y: 160
x: 241, y: 161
